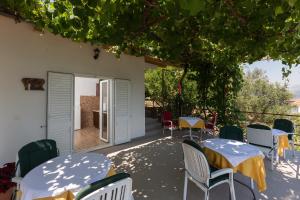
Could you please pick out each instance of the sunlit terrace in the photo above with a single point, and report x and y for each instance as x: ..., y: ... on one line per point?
x: 157, y: 168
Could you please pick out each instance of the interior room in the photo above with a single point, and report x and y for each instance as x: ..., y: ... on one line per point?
x: 89, y: 132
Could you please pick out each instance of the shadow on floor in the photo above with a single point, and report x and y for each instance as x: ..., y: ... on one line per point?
x: 157, y: 168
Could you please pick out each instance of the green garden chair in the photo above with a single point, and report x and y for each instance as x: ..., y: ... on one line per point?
x: 31, y: 155
x: 232, y: 133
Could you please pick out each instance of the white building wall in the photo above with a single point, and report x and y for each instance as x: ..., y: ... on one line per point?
x: 26, y: 53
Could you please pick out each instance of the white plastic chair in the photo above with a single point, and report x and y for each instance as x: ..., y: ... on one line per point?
x: 261, y: 136
x: 118, y: 187
x: 198, y: 171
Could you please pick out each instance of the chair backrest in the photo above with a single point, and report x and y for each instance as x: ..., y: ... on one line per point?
x: 259, y: 134
x: 166, y: 116
x: 35, y: 153
x: 284, y: 125
x: 195, y: 161
x: 116, y: 187
x: 231, y: 133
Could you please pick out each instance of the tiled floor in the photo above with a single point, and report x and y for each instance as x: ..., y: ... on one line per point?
x: 87, y: 138
x: 156, y: 166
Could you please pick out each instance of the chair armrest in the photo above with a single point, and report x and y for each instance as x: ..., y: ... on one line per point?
x: 16, y: 180
x: 170, y: 121
x: 209, y: 123
x: 221, y: 172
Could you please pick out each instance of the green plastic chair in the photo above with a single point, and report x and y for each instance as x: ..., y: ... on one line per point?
x: 31, y: 155
x: 118, y: 186
x: 36, y: 153
x: 232, y: 133
x: 284, y: 125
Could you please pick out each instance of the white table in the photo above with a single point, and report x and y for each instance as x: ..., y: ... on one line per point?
x: 276, y: 133
x: 192, y: 121
x: 234, y: 151
x: 63, y: 173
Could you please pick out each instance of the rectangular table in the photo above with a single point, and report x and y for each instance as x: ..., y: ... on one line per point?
x: 241, y: 157
x: 282, y: 141
x: 191, y: 122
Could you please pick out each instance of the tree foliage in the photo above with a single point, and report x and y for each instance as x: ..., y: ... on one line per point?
x: 207, y: 88
x: 207, y: 36
x: 217, y: 89
x: 161, y: 85
x: 179, y: 31
x: 258, y: 95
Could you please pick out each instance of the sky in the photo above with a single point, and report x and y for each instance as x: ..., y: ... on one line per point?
x: 274, y: 73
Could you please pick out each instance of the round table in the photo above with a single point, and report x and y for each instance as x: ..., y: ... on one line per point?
x: 64, y: 173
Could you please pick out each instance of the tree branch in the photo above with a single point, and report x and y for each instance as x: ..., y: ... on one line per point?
x: 235, y: 13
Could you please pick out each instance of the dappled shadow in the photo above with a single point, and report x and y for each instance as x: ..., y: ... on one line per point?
x: 283, y: 182
x: 157, y: 169
x: 71, y: 172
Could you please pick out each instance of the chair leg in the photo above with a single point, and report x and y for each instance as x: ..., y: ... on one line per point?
x: 272, y: 161
x: 231, y: 187
x: 293, y: 147
x: 206, y: 194
x: 171, y: 131
x: 163, y: 130
x: 185, y: 186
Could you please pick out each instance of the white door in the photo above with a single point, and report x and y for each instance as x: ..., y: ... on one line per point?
x: 104, y: 111
x: 60, y: 110
x: 122, y: 111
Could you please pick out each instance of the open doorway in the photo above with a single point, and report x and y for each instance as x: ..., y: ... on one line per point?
x: 91, y: 114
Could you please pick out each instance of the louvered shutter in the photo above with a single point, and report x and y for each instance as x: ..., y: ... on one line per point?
x: 60, y: 110
x: 122, y: 111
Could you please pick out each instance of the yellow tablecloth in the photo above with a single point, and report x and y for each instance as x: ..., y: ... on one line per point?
x: 253, y: 167
x: 283, y: 143
x: 68, y: 195
x: 185, y: 124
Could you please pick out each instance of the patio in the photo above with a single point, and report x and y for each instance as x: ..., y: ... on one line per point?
x: 156, y: 166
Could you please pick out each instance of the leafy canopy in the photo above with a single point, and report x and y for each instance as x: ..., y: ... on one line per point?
x: 259, y: 95
x: 183, y: 32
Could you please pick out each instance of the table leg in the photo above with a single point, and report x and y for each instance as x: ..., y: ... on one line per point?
x: 252, y: 184
x: 190, y: 134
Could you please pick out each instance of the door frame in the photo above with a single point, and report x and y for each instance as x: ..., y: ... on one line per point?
x: 111, y: 138
x: 108, y: 109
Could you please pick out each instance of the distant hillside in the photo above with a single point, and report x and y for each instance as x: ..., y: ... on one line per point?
x: 296, y: 91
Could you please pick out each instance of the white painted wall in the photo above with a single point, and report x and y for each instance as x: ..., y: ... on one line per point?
x: 26, y: 53
x: 83, y: 87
